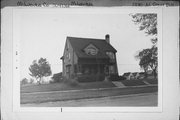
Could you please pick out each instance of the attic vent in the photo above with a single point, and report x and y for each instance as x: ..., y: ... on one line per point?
x: 91, y: 50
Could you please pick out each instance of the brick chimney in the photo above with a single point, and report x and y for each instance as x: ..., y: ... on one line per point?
x: 107, y: 38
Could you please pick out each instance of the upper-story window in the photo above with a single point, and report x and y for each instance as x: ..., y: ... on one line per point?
x: 111, y: 55
x: 68, y: 56
x: 91, y: 50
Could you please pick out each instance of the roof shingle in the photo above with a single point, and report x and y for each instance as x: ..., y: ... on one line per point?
x: 79, y: 44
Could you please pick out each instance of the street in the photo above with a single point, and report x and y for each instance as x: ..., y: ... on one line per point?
x: 144, y: 99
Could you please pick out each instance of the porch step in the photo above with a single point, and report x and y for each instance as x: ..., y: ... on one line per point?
x: 118, y: 84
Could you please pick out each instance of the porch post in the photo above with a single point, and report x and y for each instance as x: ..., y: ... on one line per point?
x: 79, y: 68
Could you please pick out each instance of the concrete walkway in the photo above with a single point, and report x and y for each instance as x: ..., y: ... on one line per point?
x: 118, y: 84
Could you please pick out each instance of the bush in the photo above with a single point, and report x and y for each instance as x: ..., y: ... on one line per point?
x: 90, y: 78
x: 24, y: 81
x: 57, y: 78
x: 133, y: 82
x: 116, y: 77
x: 122, y: 78
x: 72, y: 82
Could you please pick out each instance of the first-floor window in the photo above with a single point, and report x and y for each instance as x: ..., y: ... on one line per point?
x: 111, y: 69
x: 111, y: 55
x: 67, y: 69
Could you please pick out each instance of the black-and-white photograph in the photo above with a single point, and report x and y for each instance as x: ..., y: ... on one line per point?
x: 68, y: 58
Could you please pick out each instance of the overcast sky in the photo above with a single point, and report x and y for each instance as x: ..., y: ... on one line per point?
x: 42, y: 33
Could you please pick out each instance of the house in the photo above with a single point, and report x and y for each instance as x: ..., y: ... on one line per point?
x: 141, y: 75
x: 88, y: 57
x: 133, y: 75
x: 128, y: 76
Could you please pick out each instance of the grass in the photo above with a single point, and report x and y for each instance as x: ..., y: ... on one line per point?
x: 65, y: 86
x: 27, y: 97
x: 77, y: 86
x: 152, y: 81
x: 133, y: 82
x: 84, y: 94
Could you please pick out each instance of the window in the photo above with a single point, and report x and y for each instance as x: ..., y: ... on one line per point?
x: 91, y: 50
x: 68, y: 69
x: 111, y: 55
x: 68, y: 55
x: 111, y: 69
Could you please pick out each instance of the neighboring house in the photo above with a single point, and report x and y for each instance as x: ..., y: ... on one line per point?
x: 90, y: 57
x: 128, y: 76
x: 135, y: 75
x: 141, y: 75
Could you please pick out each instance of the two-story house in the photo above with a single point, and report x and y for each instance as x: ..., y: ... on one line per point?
x: 93, y: 58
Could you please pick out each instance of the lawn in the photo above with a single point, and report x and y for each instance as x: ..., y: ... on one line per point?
x: 133, y: 82
x: 78, y: 86
x: 65, y: 86
x: 151, y: 81
x: 83, y: 94
x: 140, y: 82
x: 44, y: 92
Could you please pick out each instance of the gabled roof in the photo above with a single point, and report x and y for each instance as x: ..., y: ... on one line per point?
x: 79, y: 44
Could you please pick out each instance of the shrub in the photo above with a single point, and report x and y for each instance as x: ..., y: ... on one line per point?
x: 72, y: 82
x: 116, y: 77
x: 133, y: 82
x: 122, y: 78
x: 90, y: 78
x: 24, y: 81
x: 57, y: 78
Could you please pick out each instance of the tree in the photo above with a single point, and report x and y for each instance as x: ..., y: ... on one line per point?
x: 147, y: 23
x: 148, y: 59
x: 40, y: 69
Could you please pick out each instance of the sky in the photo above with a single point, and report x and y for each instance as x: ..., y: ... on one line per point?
x: 42, y: 33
